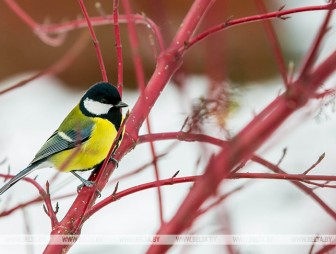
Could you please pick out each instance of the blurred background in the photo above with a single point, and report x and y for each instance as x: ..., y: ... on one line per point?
x: 241, y: 54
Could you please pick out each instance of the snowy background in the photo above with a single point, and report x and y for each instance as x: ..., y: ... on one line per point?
x: 33, y: 112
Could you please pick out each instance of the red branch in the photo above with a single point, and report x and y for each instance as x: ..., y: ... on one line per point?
x: 190, y: 137
x: 182, y: 136
x: 233, y: 152
x: 243, y: 145
x: 118, y: 45
x: 171, y: 181
x: 139, y: 71
x: 28, y: 203
x: 312, y: 54
x: 42, y: 31
x: 167, y: 63
x: 271, y: 15
x: 44, y: 195
x: 141, y: 187
x: 62, y: 64
x: 274, y: 43
x: 95, y: 41
x: 300, y: 185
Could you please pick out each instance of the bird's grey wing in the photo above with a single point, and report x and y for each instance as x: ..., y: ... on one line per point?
x: 63, y: 140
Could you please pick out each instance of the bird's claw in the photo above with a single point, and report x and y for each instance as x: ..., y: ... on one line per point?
x: 88, y: 184
x: 115, y: 161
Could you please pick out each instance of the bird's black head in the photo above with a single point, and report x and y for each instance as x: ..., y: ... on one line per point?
x: 103, y: 100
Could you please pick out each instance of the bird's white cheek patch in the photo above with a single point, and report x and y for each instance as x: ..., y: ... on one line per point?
x: 96, y: 108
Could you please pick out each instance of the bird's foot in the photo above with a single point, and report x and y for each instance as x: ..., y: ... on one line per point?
x: 88, y: 184
x: 115, y: 161
x: 85, y: 183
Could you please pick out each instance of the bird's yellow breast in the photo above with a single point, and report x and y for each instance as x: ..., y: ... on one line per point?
x: 91, y: 152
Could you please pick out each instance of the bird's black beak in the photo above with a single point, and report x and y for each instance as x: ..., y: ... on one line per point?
x: 121, y: 104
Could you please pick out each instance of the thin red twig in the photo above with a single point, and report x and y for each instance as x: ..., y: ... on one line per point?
x: 300, y: 185
x: 30, y: 202
x: 139, y: 71
x: 315, y: 164
x: 137, y: 170
x: 114, y: 145
x: 52, y: 41
x: 62, y: 64
x: 242, y: 147
x: 182, y: 136
x: 271, y: 15
x: 50, y: 210
x: 42, y: 30
x: 190, y: 137
x: 22, y: 14
x: 312, y: 54
x: 274, y: 42
x: 29, y: 180
x: 219, y: 200
x: 145, y: 186
x: 171, y: 181
x: 95, y: 41
x: 44, y: 195
x: 118, y: 45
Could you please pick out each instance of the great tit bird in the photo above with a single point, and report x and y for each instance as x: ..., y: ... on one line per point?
x: 85, y: 136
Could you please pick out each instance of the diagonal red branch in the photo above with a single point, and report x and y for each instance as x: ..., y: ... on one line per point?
x: 62, y: 64
x: 62, y: 28
x: 28, y: 203
x: 312, y: 55
x: 300, y: 185
x: 95, y: 41
x: 271, y: 15
x: 141, y: 187
x: 43, y: 194
x: 243, y: 145
x: 190, y: 137
x: 167, y: 64
x: 274, y: 42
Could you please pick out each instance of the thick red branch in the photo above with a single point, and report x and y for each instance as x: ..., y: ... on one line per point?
x: 167, y: 64
x: 242, y: 147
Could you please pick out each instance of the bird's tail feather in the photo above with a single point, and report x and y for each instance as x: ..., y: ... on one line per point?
x: 17, y: 178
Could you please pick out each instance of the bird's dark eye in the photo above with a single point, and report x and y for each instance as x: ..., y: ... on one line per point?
x: 103, y: 100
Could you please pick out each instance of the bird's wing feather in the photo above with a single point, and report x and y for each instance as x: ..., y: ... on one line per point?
x: 63, y: 140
